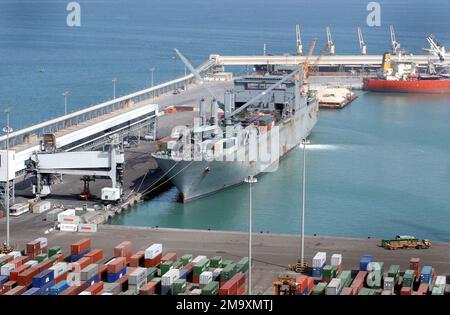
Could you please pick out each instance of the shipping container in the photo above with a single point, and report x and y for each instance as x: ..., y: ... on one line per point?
x: 116, y: 265
x: 334, y: 287
x: 166, y: 266
x: 169, y: 257
x: 80, y: 247
x: 319, y: 260
x: 169, y: 277
x: 52, y: 215
x: 205, y: 278
x: 211, y: 288
x: 365, y: 260
x: 124, y: 249
x: 59, y: 288
x: 43, y: 278
x: 301, y: 285
x: 137, y: 260
x: 153, y: 251
x: 336, y: 259
x: 138, y: 277
x: 32, y: 291
x: 319, y: 289
x: 216, y: 262
x: 394, y: 272
x: 41, y: 206
x: 95, y: 255
x: 179, y: 286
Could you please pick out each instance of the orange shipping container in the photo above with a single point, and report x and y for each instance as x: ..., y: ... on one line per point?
x: 95, y: 289
x: 15, y: 273
x: 137, y: 259
x: 95, y: 255
x: 80, y: 246
x: 16, y: 290
x: 405, y: 291
x: 124, y: 249
x: 81, y: 263
x: 116, y: 265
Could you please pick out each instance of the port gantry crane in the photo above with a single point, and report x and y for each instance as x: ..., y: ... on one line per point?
x: 362, y: 44
x: 330, y: 42
x: 298, y: 36
x: 436, y: 48
x: 395, y: 44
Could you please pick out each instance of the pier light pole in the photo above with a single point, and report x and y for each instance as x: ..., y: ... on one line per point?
x: 8, y: 130
x: 302, y: 233
x: 114, y: 81
x: 250, y: 180
x: 152, y: 70
x: 65, y: 94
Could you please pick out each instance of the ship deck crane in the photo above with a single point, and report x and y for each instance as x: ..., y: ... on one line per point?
x: 298, y: 37
x: 330, y: 42
x: 436, y: 48
x: 362, y: 44
x: 395, y: 44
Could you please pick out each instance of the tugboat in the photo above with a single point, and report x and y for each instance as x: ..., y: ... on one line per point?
x: 402, y: 76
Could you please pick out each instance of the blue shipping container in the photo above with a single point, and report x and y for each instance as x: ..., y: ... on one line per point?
x: 32, y: 291
x: 43, y: 278
x: 184, y: 273
x: 45, y: 290
x: 74, y: 258
x: 113, y: 277
x: 3, y: 279
x: 317, y: 272
x: 166, y: 290
x: 59, y: 287
x: 365, y: 260
x: 93, y: 280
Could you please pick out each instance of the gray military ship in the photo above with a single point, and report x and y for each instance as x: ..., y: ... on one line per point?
x: 264, y: 117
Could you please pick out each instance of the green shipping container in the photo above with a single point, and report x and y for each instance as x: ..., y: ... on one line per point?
x: 151, y: 273
x: 201, y: 266
x: 408, y: 278
x: 179, y: 286
x: 216, y: 262
x: 186, y: 259
x: 166, y: 266
x: 243, y: 264
x: 227, y: 272
x: 327, y: 271
x: 346, y: 278
x: 225, y: 263
x: 54, y: 250
x: 41, y: 257
x: 394, y: 272
x: 319, y: 289
x: 178, y: 264
x: 211, y: 288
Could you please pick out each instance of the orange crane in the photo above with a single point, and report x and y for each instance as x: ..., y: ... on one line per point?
x: 305, y: 64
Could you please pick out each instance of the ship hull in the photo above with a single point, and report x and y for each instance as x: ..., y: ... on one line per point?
x: 417, y: 86
x: 196, y: 179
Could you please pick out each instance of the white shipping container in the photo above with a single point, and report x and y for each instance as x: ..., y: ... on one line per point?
x: 7, y: 268
x: 31, y: 263
x: 170, y: 276
x: 68, y: 227
x: 85, y: 293
x: 198, y: 259
x: 217, y: 272
x: 15, y: 254
x: 43, y: 241
x: 196, y: 292
x: 41, y: 206
x: 206, y: 277
x: 59, y: 269
x: 388, y: 283
x: 69, y: 219
x: 66, y: 212
x: 87, y: 228
x: 138, y: 277
x: 153, y: 251
x: 440, y: 280
x: 336, y: 259
x: 319, y: 260
x: 333, y: 287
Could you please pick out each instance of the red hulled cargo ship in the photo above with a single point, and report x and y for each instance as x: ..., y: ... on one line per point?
x: 402, y: 77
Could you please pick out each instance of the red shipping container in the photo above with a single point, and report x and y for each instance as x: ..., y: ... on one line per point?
x: 302, y: 284
x: 81, y: 263
x: 357, y: 285
x: 195, y: 278
x: 17, y: 290
x: 44, y: 265
x: 154, y: 262
x: 19, y: 261
x: 116, y: 265
x: 80, y: 246
x: 361, y: 275
x: 124, y: 249
x: 241, y: 290
x: 422, y: 290
x: 75, y: 290
x: 95, y: 255
x: 414, y: 264
x: 61, y: 278
x: 169, y: 257
x: 137, y: 259
x: 310, y: 284
x: 13, y: 274
x: 347, y: 291
x: 33, y: 247
x: 9, y: 285
x: 148, y: 289
x: 386, y: 292
x: 58, y: 257
x: 229, y: 287
x: 44, y: 250
x: 405, y: 291
x: 25, y: 278
x: 123, y: 282
x: 95, y: 289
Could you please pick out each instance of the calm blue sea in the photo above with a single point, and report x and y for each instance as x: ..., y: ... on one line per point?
x: 378, y: 168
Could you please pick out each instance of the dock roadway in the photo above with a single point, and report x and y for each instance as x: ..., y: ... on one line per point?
x: 271, y: 253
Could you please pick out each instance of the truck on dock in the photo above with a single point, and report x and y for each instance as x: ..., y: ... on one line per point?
x: 405, y: 241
